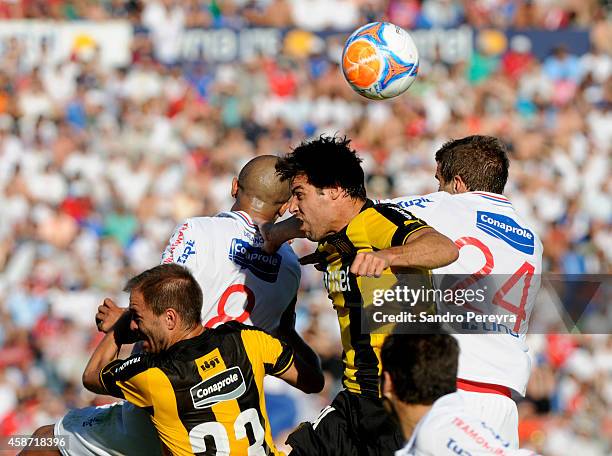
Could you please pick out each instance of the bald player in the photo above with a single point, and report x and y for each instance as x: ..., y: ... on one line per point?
x: 240, y: 282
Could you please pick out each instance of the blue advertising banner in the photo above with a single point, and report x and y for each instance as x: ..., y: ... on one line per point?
x: 452, y: 45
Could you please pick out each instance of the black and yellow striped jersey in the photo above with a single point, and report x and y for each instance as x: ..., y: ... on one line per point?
x: 376, y: 227
x: 205, y: 394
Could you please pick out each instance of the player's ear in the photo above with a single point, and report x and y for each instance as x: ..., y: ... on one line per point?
x: 387, y: 385
x: 335, y: 192
x: 171, y: 319
x: 234, y: 187
x: 459, y: 185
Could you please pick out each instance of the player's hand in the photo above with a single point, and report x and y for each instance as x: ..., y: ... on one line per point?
x: 317, y: 259
x: 122, y: 331
x: 271, y: 244
x: 108, y: 314
x: 370, y: 264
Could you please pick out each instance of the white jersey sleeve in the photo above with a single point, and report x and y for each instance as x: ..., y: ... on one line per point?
x: 181, y: 248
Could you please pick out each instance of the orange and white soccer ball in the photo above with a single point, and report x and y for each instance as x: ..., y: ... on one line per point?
x: 380, y: 60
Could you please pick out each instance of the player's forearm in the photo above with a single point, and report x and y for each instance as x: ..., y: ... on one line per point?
x: 275, y: 234
x: 425, y: 249
x: 306, y: 359
x: 106, y: 351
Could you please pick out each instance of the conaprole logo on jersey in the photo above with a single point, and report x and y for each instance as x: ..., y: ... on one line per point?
x: 224, y: 386
x: 261, y: 264
x: 506, y: 229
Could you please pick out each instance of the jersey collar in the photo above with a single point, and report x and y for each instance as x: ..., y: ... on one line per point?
x: 338, y: 239
x: 494, y: 197
x: 244, y: 218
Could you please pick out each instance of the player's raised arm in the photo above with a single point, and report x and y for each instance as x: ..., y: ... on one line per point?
x: 280, y: 360
x: 276, y: 234
x: 426, y: 249
x: 106, y: 352
x: 302, y: 351
x: 402, y: 240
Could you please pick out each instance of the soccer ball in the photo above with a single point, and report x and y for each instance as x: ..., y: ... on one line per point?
x: 380, y: 60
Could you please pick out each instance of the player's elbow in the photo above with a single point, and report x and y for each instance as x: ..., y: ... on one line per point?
x: 319, y: 383
x: 91, y: 381
x: 86, y: 379
x: 445, y: 250
x: 449, y: 251
x: 310, y: 379
x: 315, y: 384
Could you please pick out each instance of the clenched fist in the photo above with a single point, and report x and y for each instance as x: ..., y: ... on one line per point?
x: 370, y: 264
x: 108, y: 314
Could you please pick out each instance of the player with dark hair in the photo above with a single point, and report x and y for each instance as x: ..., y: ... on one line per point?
x: 356, y: 238
x: 500, y: 249
x: 418, y: 382
x: 203, y: 388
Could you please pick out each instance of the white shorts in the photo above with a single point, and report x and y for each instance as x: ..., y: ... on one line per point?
x: 498, y: 411
x: 118, y: 429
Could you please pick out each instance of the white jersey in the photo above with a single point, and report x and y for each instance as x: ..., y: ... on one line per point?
x: 238, y: 279
x: 447, y: 429
x: 495, y: 246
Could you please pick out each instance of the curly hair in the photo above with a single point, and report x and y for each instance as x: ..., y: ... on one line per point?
x: 327, y: 161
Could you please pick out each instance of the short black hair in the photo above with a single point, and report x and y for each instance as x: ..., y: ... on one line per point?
x: 327, y: 161
x: 170, y: 286
x: 423, y: 367
x: 481, y: 161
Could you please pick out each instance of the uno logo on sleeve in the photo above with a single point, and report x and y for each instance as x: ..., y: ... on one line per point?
x: 507, y: 230
x: 419, y: 202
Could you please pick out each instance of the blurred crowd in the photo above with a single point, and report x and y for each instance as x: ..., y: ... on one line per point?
x: 315, y: 14
x: 97, y: 166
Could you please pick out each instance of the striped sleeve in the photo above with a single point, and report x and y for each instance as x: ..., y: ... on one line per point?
x: 128, y: 379
x: 182, y: 247
x: 389, y: 225
x: 276, y: 355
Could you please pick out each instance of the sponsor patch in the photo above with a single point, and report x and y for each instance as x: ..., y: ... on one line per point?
x: 188, y: 250
x: 418, y: 202
x: 175, y: 241
x: 224, y: 386
x: 399, y: 209
x: 253, y: 258
x: 507, y: 230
